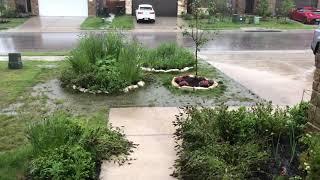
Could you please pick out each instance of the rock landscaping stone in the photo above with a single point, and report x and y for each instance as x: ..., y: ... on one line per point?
x: 126, y: 90
x: 166, y: 71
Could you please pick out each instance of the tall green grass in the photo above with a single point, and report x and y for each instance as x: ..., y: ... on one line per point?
x: 168, y: 56
x: 106, y: 62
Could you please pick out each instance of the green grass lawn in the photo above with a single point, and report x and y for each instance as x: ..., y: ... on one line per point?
x: 15, y: 83
x: 16, y: 86
x: 119, y: 22
x: 268, y: 24
x: 13, y: 22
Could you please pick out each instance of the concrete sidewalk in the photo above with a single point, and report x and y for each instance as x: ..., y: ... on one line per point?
x: 37, y: 58
x: 152, y: 129
x: 50, y: 24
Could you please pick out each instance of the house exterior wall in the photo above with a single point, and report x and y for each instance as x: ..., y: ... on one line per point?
x: 239, y: 6
x: 92, y: 11
x: 91, y: 7
x: 35, y: 7
x: 314, y: 114
x: 128, y: 7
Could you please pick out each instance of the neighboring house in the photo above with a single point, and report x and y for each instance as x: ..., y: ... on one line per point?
x: 91, y: 7
x: 249, y: 6
x: 56, y: 7
x: 162, y: 7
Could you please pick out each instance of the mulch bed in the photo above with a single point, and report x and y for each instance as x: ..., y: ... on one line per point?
x: 194, y: 81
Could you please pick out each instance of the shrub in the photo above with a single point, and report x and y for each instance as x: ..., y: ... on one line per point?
x: 66, y: 148
x: 311, y: 157
x: 263, y: 8
x: 63, y: 162
x: 56, y: 131
x: 239, y: 144
x: 168, y: 56
x: 103, y: 62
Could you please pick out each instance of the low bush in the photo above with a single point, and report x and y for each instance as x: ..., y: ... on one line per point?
x: 257, y: 143
x: 63, y: 162
x: 168, y: 56
x: 103, y: 63
x: 65, y: 148
x: 310, y: 159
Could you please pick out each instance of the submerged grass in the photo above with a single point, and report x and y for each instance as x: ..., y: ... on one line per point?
x: 15, y: 83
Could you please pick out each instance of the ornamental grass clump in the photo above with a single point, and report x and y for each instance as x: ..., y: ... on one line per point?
x: 105, y: 63
x: 65, y: 147
x: 262, y: 142
x: 168, y: 56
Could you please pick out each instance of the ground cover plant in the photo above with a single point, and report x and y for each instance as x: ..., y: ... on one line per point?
x: 97, y: 23
x: 106, y: 63
x: 168, y: 56
x: 258, y: 143
x: 65, y: 147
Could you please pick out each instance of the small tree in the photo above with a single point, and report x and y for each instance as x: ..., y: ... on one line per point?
x: 199, y: 37
x: 263, y: 8
x: 285, y: 8
x: 2, y: 7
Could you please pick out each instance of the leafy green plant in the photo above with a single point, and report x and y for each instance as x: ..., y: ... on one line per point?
x: 285, y: 8
x: 102, y: 62
x: 63, y: 162
x: 261, y: 142
x: 198, y: 37
x: 168, y: 56
x: 263, y: 8
x: 64, y: 147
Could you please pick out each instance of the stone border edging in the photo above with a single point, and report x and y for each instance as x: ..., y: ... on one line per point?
x: 188, y: 88
x: 166, y: 71
x: 125, y: 90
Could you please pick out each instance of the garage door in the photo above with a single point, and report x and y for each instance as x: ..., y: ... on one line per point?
x: 63, y: 7
x: 162, y: 7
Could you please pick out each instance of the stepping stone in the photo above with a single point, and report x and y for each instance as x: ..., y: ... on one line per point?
x: 153, y: 130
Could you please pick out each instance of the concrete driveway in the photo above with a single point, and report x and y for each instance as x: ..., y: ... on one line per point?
x: 161, y: 24
x: 51, y: 24
x: 277, y: 76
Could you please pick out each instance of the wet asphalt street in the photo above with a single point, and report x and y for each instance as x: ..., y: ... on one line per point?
x: 224, y: 41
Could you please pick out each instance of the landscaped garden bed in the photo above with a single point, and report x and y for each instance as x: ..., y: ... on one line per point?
x: 98, y: 23
x: 103, y: 64
x: 168, y: 58
x: 257, y: 143
x: 191, y: 82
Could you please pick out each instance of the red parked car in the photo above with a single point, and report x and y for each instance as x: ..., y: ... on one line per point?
x: 306, y: 15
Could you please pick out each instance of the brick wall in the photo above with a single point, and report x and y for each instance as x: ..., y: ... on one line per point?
x: 35, y: 7
x: 129, y: 7
x: 314, y: 115
x: 92, y: 8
